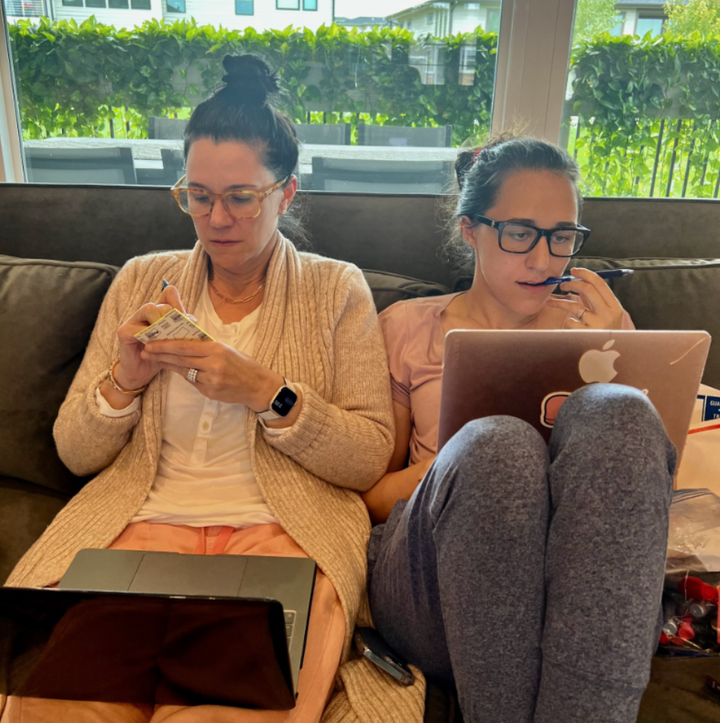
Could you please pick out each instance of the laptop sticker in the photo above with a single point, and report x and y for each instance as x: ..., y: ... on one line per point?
x: 550, y: 407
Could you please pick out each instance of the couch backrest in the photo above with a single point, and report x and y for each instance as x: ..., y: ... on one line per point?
x: 98, y: 226
x: 400, y: 234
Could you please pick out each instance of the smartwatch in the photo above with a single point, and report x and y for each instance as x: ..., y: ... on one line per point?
x: 281, y: 404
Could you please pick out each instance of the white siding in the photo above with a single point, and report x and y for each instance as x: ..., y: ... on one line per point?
x: 266, y: 16
x: 466, y: 19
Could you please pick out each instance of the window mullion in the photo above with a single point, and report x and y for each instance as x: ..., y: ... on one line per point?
x: 533, y: 51
x: 11, y: 162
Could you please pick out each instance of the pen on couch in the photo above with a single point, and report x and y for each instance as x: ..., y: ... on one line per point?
x: 604, y: 274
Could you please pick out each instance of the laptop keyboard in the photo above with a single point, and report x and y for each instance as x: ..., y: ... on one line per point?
x: 289, y: 624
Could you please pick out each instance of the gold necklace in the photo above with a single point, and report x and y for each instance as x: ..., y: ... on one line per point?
x: 237, y: 301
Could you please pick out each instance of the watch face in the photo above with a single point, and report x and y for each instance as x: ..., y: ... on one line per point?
x: 284, y: 401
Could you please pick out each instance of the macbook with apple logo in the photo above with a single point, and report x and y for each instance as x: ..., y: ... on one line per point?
x: 528, y: 374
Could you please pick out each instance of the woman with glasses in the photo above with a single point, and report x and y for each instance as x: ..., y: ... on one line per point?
x: 254, y: 442
x: 527, y: 576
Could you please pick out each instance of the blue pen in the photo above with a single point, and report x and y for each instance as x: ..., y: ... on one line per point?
x: 165, y: 284
x: 605, y: 274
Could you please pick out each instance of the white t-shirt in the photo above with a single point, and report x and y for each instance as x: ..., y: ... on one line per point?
x: 204, y: 475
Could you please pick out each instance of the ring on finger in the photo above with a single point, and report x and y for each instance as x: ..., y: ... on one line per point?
x: 192, y: 375
x: 582, y: 313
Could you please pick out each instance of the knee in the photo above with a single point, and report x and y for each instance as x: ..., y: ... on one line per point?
x: 496, y: 452
x: 607, y: 409
x: 613, y: 421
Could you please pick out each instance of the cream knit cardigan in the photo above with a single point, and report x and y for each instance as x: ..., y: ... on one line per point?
x: 318, y: 327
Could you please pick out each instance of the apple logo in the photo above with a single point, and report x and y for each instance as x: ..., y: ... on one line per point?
x: 597, y: 366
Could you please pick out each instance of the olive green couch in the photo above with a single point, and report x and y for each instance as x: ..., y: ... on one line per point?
x: 60, y: 247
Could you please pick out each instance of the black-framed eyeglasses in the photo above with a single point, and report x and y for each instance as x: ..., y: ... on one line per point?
x: 521, y: 238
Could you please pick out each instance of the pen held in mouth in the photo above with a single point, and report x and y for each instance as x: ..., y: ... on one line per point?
x: 604, y: 274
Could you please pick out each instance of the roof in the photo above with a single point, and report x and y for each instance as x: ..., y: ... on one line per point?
x: 413, y: 8
x: 362, y: 20
x: 653, y: 4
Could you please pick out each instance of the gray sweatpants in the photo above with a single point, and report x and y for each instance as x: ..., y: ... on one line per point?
x: 529, y: 576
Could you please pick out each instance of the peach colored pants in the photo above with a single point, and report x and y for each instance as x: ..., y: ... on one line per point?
x: 326, y: 634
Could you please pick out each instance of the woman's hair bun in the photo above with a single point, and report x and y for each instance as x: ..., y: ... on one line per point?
x: 249, y: 78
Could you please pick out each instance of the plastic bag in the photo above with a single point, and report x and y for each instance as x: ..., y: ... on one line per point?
x: 692, y: 580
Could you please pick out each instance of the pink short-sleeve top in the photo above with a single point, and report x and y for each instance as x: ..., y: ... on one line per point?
x: 415, y: 341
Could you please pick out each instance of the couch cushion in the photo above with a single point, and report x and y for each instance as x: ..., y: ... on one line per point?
x: 25, y: 511
x: 47, y: 312
x: 388, y: 288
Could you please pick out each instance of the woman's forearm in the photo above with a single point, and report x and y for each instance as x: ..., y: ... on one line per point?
x: 394, y: 486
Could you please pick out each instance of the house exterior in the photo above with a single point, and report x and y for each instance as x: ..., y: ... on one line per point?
x: 462, y: 16
x: 443, y: 18
x: 639, y: 16
x: 434, y: 17
x: 234, y: 14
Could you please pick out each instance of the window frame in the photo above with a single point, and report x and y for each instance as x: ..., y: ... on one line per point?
x: 277, y: 5
x: 174, y: 11
x: 650, y: 15
x: 307, y: 9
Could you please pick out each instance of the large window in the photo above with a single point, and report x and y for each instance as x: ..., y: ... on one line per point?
x: 641, y: 110
x: 384, y: 111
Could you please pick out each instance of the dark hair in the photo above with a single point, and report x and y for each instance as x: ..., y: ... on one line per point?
x: 242, y: 111
x: 481, y: 172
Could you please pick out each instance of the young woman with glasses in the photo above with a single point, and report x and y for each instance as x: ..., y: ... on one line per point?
x: 256, y: 442
x: 527, y: 576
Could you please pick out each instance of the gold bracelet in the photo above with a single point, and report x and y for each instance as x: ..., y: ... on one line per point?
x: 111, y: 377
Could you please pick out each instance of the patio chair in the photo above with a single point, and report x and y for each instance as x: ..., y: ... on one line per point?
x: 79, y: 165
x: 337, y: 134
x: 369, y: 135
x: 353, y: 175
x: 173, y: 165
x: 166, y: 128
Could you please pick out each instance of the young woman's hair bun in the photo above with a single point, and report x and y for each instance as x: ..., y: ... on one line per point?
x: 463, y: 163
x: 249, y: 79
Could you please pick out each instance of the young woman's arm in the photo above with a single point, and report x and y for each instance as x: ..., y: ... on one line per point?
x: 400, y: 481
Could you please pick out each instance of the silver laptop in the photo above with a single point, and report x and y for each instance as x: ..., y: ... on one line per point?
x: 146, y: 627
x: 528, y: 374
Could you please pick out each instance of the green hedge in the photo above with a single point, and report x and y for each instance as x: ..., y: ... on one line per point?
x: 74, y: 78
x: 648, y: 115
x: 645, y: 110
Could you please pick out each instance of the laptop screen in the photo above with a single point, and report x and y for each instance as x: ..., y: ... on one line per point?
x: 120, y: 647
